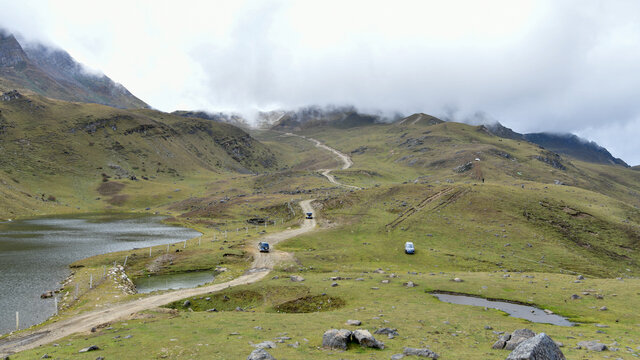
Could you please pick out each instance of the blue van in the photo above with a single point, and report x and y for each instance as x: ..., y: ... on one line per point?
x: 263, y: 246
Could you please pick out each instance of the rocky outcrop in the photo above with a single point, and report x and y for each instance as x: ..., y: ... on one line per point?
x: 539, y: 347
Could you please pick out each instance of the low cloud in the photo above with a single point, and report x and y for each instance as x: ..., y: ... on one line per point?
x: 570, y: 66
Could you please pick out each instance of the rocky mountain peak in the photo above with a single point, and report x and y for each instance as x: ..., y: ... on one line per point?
x: 11, y: 53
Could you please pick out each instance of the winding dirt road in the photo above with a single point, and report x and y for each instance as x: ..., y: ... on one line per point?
x: 262, y: 264
x: 346, y: 161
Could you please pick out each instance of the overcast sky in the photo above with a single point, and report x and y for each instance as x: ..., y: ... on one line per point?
x: 562, y: 66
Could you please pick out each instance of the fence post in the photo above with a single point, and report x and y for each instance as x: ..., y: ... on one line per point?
x: 125, y: 261
x: 55, y: 303
x: 17, y: 320
x: 185, y: 244
x: 91, y: 281
x: 149, y: 251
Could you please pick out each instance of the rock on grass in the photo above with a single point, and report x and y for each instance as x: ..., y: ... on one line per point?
x: 365, y: 339
x: 336, y: 339
x: 539, y: 347
x: 419, y: 352
x: 260, y: 354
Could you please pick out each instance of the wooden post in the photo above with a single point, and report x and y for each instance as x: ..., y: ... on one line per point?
x: 149, y: 251
x: 17, y: 321
x: 185, y: 244
x: 55, y: 304
x: 125, y: 261
x: 91, y: 281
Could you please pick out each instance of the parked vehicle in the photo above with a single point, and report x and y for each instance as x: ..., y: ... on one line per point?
x: 309, y: 215
x: 409, y: 248
x: 263, y: 246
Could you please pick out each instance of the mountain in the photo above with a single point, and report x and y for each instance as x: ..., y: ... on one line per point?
x: 53, y: 73
x: 233, y: 119
x: 567, y: 144
x: 69, y: 149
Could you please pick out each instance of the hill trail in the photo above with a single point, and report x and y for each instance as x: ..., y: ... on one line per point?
x: 346, y: 161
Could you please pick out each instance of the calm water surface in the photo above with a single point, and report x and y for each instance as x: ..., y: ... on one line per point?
x: 530, y: 313
x: 35, y: 254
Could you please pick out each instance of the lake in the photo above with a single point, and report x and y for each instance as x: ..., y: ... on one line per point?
x: 35, y: 254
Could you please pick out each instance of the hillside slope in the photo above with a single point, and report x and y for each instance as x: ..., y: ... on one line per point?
x: 54, y: 73
x: 67, y: 150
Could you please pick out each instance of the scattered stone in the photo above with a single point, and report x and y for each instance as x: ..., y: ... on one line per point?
x: 575, y: 297
x: 265, y: 345
x: 336, y: 339
x: 296, y: 278
x: 212, y: 310
x: 397, y: 356
x: 295, y: 345
x: 378, y: 271
x: 90, y: 348
x: 602, y: 326
x: 604, y: 308
x: 354, y: 322
x: 46, y: 356
x: 260, y: 354
x: 538, y: 347
x: 47, y: 294
x: 385, y: 281
x: 410, y: 284
x: 419, y: 352
x: 457, y: 280
x: 128, y: 337
x: 391, y: 333
x: 334, y: 284
x: 365, y: 339
x: 580, y: 277
x: 487, y: 327
x: 360, y: 279
x: 592, y: 345
x: 187, y: 303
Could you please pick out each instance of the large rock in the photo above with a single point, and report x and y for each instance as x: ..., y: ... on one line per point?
x: 419, y: 352
x: 517, y: 337
x: 539, y: 347
x: 260, y: 354
x: 265, y: 345
x: 365, y: 339
x: 336, y: 339
x: 90, y: 348
x: 592, y: 345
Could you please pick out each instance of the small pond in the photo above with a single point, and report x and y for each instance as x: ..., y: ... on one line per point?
x: 35, y: 255
x: 530, y: 313
x: 173, y: 281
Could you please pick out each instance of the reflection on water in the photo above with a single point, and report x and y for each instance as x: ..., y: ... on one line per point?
x: 530, y: 313
x: 173, y: 281
x: 35, y: 254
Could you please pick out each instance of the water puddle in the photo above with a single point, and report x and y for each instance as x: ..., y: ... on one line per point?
x: 526, y: 312
x: 173, y: 281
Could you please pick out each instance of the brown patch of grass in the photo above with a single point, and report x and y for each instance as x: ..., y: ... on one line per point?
x: 118, y: 200
x: 311, y: 303
x: 110, y: 188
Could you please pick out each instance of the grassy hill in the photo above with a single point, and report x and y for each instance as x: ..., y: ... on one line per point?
x: 508, y: 218
x: 93, y: 156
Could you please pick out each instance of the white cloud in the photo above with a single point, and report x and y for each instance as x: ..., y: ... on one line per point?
x: 533, y: 65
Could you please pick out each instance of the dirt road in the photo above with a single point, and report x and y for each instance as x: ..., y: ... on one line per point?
x: 261, y: 266
x: 346, y: 161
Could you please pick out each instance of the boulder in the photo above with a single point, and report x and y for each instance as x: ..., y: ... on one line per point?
x: 354, y: 322
x: 592, y: 345
x: 336, y: 339
x: 47, y: 294
x: 260, y: 354
x: 419, y: 352
x: 186, y: 303
x: 365, y: 339
x: 410, y: 284
x: 517, y: 337
x: 296, y: 278
x: 539, y: 347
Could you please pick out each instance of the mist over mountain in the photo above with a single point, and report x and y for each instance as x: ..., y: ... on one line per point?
x: 53, y: 73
